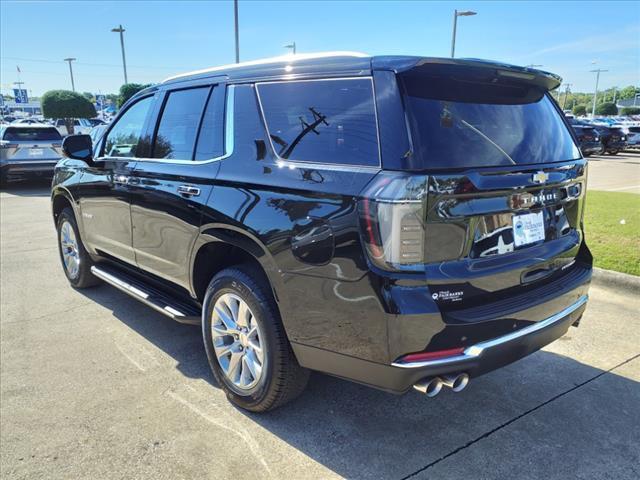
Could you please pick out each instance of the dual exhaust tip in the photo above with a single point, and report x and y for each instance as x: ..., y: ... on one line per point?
x: 431, y: 386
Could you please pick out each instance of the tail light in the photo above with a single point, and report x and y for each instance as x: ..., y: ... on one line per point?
x: 392, y: 216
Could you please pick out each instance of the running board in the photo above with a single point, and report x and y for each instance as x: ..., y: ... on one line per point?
x: 159, y: 301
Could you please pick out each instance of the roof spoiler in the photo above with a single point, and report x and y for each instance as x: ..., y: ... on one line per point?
x: 452, y: 66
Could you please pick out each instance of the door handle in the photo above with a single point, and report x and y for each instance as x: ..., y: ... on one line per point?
x: 188, y: 190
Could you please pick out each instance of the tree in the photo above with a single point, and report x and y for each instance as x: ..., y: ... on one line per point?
x: 628, y: 92
x: 128, y: 90
x: 630, y: 111
x: 68, y: 105
x: 606, y: 109
x: 580, y: 110
x: 89, y: 96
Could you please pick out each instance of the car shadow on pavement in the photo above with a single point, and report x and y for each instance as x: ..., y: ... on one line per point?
x: 545, y: 410
x: 39, y: 187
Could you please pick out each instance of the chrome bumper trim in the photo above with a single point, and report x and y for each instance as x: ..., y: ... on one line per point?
x: 475, y: 351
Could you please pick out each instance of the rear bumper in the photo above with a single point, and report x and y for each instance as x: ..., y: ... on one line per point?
x: 476, y: 359
x: 27, y: 167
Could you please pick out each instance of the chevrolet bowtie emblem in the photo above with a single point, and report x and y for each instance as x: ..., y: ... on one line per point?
x: 540, y: 177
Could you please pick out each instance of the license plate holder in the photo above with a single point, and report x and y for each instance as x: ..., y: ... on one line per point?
x: 528, y: 228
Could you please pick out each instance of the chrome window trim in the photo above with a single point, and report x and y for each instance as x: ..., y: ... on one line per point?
x: 475, y: 351
x: 320, y: 164
x: 229, y: 133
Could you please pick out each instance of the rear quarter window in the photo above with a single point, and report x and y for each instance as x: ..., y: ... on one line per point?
x: 322, y: 121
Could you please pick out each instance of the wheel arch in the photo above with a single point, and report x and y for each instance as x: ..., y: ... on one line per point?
x: 222, y: 246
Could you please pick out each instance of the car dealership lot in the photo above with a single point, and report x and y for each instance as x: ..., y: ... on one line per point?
x: 96, y: 385
x: 615, y: 173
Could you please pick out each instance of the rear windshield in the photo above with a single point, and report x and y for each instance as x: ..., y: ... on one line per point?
x: 457, y: 123
x: 31, y: 134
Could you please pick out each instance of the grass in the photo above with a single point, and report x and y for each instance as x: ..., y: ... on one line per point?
x: 615, y: 244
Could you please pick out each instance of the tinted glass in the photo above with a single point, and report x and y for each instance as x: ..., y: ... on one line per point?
x: 31, y: 134
x: 211, y: 138
x: 124, y: 139
x: 456, y: 123
x: 178, y: 127
x: 327, y: 121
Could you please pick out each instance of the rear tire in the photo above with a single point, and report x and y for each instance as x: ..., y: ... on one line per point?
x: 238, y: 302
x: 76, y: 262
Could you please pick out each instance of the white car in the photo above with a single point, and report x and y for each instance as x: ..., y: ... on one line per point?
x: 80, y: 126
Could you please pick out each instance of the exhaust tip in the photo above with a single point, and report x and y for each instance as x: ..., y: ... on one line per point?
x: 429, y: 386
x: 457, y: 383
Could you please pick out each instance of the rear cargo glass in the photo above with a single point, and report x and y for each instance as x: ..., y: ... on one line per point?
x: 458, y: 123
x: 31, y: 134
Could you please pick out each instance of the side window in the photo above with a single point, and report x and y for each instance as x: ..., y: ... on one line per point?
x: 176, y: 135
x: 124, y: 138
x: 211, y: 137
x: 325, y: 121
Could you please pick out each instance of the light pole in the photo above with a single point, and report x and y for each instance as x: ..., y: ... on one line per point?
x: 292, y: 46
x: 121, y: 30
x: 566, y: 94
x: 456, y: 14
x: 597, y: 71
x: 73, y: 85
x: 235, y: 14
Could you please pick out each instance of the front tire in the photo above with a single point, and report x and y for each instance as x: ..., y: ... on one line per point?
x: 76, y: 262
x: 246, y: 344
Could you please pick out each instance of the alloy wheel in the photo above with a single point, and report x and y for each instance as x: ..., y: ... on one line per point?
x: 69, y: 248
x: 237, y: 342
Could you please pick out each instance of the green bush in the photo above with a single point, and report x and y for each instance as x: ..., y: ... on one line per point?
x: 606, y: 109
x: 68, y: 105
x: 580, y: 110
x: 128, y: 90
x: 630, y: 111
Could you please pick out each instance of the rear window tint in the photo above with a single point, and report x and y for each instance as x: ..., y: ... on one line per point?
x: 457, y: 123
x: 323, y: 121
x: 210, y: 138
x: 31, y: 134
x: 178, y: 127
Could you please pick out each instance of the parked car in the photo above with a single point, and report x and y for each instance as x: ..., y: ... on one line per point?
x: 588, y: 138
x: 80, y: 126
x: 28, y: 150
x: 96, y: 121
x: 632, y: 133
x: 381, y: 219
x: 27, y: 121
x: 613, y: 139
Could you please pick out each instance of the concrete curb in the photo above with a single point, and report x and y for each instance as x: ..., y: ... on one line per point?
x: 622, y: 281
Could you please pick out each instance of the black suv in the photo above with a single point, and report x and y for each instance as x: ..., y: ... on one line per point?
x: 396, y: 221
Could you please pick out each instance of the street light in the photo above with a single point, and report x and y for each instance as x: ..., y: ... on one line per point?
x: 235, y: 16
x: 73, y: 85
x: 456, y: 14
x: 292, y: 46
x: 597, y: 71
x: 121, y: 30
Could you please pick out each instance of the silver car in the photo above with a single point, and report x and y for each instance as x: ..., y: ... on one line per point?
x: 28, y: 150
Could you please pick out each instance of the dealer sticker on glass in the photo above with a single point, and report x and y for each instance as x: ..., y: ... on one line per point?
x: 528, y: 228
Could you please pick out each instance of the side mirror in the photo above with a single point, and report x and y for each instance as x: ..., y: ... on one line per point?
x: 78, y: 147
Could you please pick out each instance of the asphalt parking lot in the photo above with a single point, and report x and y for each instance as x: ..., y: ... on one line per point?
x: 615, y: 173
x: 96, y: 385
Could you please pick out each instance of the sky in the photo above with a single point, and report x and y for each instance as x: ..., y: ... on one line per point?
x: 165, y: 38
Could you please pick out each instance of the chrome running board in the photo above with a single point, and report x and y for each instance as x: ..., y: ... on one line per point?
x: 159, y: 301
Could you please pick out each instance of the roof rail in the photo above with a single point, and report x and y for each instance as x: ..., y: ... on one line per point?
x: 265, y: 61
